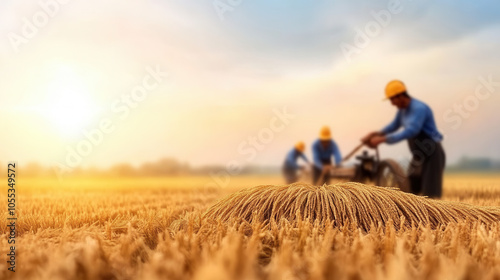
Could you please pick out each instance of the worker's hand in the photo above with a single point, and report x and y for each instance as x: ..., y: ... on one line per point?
x: 375, y: 141
x: 369, y: 136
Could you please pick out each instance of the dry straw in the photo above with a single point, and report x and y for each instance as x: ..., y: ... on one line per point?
x: 344, y: 204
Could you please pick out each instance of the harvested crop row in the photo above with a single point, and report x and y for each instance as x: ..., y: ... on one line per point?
x: 344, y: 204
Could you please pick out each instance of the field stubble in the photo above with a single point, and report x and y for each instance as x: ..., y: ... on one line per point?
x: 155, y: 229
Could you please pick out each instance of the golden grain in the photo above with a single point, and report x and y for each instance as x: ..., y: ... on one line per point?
x: 344, y: 204
x: 156, y: 230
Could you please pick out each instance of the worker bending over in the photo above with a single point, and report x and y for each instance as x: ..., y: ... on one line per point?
x: 290, y: 167
x: 419, y: 129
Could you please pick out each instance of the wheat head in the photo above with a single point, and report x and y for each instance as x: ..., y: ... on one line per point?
x: 344, y: 204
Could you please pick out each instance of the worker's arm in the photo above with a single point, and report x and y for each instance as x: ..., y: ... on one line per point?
x: 415, y: 122
x: 393, y: 126
x: 374, y: 138
x: 304, y: 157
x: 336, y: 154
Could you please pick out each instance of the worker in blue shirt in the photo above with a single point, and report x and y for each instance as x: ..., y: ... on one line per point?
x: 426, y: 168
x: 323, y: 150
x: 290, y: 167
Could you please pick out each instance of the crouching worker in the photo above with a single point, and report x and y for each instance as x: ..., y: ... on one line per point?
x: 290, y: 167
x: 323, y: 150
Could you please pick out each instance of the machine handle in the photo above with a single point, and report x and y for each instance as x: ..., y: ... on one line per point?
x: 354, y: 152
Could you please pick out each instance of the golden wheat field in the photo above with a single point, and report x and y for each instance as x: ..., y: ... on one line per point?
x: 176, y: 228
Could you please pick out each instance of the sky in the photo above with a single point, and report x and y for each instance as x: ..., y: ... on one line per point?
x: 95, y: 83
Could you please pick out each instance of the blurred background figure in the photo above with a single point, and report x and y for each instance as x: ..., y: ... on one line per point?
x: 290, y: 167
x: 323, y: 150
x: 419, y: 128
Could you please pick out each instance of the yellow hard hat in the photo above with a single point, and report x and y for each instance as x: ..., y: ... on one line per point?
x: 300, y: 146
x: 325, y: 133
x: 394, y: 88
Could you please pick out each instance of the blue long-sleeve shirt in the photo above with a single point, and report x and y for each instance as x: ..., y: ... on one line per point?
x: 291, y: 159
x: 417, y: 117
x: 320, y: 154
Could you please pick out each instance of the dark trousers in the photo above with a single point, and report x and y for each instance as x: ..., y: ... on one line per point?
x: 426, y: 169
x: 290, y: 174
x: 317, y: 175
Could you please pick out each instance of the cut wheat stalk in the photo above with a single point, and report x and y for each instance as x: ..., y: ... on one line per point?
x: 344, y: 204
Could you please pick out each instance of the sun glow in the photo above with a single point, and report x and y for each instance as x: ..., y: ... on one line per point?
x: 68, y: 105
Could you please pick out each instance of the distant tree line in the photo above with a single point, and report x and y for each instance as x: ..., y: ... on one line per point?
x: 174, y: 167
x: 475, y: 164
x: 162, y: 167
